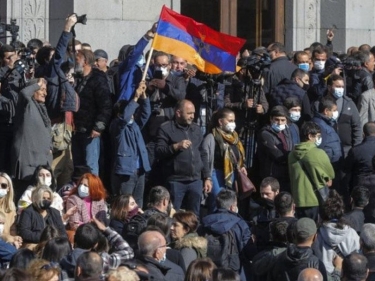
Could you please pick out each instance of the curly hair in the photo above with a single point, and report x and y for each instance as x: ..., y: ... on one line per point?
x: 333, y: 209
x: 43, y: 270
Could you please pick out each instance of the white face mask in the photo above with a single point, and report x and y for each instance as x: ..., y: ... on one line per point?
x: 318, y: 141
x: 338, y: 93
x: 83, y: 191
x: 3, y: 192
x: 230, y: 127
x: 164, y: 258
x: 335, y: 115
x: 164, y: 70
x: 1, y: 228
x: 45, y: 181
x: 295, y: 116
x: 278, y: 128
x: 319, y: 65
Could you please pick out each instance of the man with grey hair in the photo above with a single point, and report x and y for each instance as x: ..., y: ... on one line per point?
x: 152, y: 253
x: 367, y: 241
x: 310, y: 274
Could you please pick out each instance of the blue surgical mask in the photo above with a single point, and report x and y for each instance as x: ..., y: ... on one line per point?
x: 338, y: 93
x: 295, y: 116
x: 278, y: 128
x: 304, y: 66
x: 177, y: 73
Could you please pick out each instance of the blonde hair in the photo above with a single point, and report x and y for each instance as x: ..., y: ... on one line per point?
x: 37, y: 195
x: 122, y: 273
x: 43, y: 270
x: 6, y: 203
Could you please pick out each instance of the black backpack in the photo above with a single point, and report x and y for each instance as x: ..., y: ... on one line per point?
x: 223, y: 250
x: 133, y: 229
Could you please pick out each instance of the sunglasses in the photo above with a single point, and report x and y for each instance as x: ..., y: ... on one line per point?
x: 4, y: 185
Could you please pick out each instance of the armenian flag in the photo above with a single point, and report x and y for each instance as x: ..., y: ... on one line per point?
x: 211, y: 51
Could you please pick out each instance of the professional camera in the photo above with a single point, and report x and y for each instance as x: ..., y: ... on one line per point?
x: 257, y: 62
x: 25, y: 55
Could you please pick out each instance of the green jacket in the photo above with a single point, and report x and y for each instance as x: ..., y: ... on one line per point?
x: 316, y: 163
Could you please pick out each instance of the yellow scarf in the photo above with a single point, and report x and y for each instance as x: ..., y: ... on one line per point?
x: 225, y: 140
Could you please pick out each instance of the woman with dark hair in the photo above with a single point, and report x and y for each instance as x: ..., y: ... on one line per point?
x: 334, y: 237
x: 225, y: 153
x: 43, y: 175
x: 200, y: 270
x: 185, y: 237
x: 225, y: 274
x: 38, y: 215
x: 56, y: 248
x: 89, y: 197
x: 48, y: 233
x: 123, y: 209
x: 21, y: 259
x: 15, y: 274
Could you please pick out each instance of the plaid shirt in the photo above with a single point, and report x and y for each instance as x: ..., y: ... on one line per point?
x: 121, y: 251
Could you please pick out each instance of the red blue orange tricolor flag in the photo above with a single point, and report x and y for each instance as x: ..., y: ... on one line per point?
x: 211, y: 51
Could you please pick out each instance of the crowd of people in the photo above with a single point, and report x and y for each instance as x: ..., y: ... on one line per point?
x: 106, y: 176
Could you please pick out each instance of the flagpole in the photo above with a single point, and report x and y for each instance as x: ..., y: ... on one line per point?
x: 147, y: 64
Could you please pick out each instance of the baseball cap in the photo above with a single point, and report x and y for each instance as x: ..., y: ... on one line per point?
x: 99, y: 53
x: 304, y: 228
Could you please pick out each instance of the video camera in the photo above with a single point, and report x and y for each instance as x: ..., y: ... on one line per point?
x: 256, y: 63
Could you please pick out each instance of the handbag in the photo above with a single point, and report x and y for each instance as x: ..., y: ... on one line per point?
x: 245, y: 186
x: 61, y: 136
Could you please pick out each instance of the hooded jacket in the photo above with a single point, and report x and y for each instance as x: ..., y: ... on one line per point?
x: 291, y: 262
x: 307, y: 158
x: 191, y: 247
x: 329, y: 236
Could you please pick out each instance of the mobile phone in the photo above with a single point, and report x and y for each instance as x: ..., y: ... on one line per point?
x: 158, y: 74
x: 190, y: 67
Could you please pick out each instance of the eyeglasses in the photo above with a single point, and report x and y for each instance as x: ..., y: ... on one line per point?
x: 162, y: 246
x: 4, y: 185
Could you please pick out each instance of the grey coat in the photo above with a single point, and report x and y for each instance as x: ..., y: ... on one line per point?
x: 32, y: 139
x: 366, y: 106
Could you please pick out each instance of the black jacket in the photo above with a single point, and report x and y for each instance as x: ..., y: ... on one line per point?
x: 32, y: 224
x: 359, y: 159
x: 95, y: 103
x: 182, y: 165
x: 291, y: 262
x: 280, y: 69
x: 165, y: 271
x: 288, y: 88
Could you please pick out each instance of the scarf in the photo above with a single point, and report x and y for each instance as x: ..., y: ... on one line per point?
x: 43, y: 112
x: 225, y: 140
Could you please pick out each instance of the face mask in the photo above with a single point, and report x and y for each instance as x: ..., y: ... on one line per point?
x: 1, y: 228
x: 45, y: 181
x: 319, y: 65
x: 177, y: 73
x: 338, y: 93
x: 164, y: 258
x: 305, y: 86
x: 335, y: 115
x: 230, y: 127
x: 131, y: 121
x: 83, y: 191
x: 295, y: 116
x: 318, y: 141
x: 45, y: 204
x: 133, y: 212
x: 304, y: 66
x: 278, y: 128
x: 3, y: 192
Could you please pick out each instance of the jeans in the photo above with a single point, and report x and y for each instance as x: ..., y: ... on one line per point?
x: 133, y: 184
x: 218, y: 184
x: 86, y: 151
x: 192, y: 190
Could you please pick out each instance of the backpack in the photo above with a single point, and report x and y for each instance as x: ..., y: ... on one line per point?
x: 223, y: 250
x: 133, y: 229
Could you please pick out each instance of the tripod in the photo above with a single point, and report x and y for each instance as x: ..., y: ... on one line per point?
x: 253, y: 90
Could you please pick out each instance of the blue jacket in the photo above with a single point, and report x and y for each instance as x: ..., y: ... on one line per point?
x: 130, y: 74
x: 222, y: 221
x: 61, y: 95
x: 331, y: 143
x: 127, y: 141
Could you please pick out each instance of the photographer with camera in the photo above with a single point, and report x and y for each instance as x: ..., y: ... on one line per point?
x: 11, y: 83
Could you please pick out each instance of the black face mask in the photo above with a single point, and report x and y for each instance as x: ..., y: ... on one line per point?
x: 305, y: 86
x: 45, y: 204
